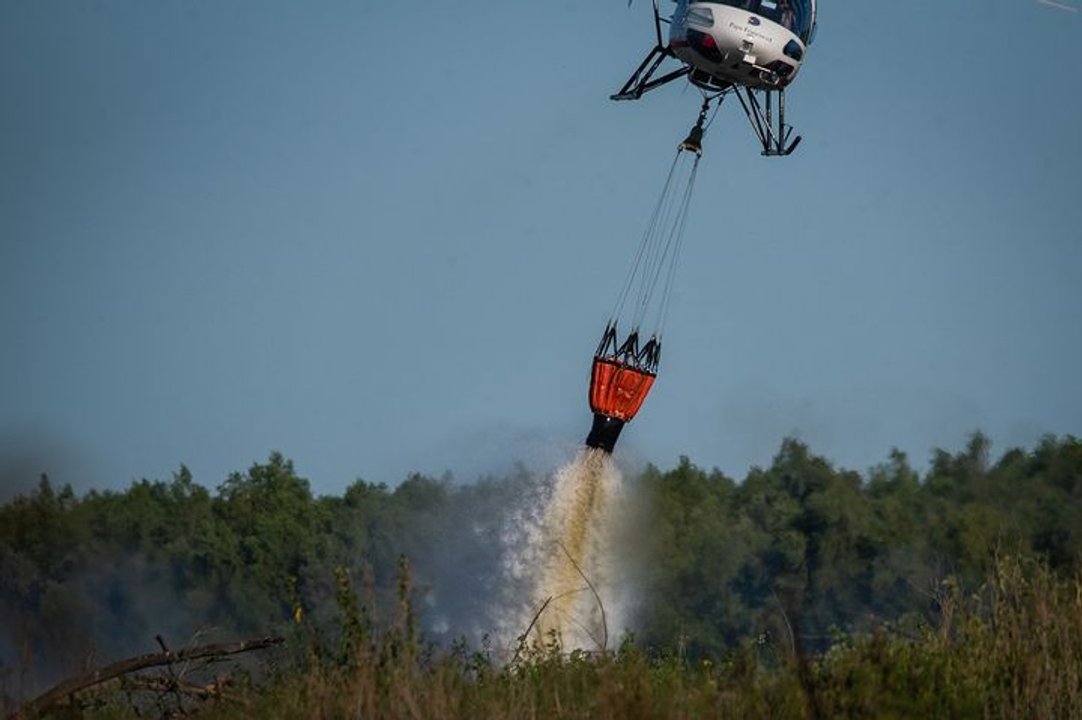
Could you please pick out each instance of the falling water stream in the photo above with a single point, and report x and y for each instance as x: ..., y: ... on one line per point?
x: 570, y: 560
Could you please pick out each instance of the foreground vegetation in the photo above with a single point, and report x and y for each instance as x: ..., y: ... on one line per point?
x: 803, y: 590
x: 1013, y: 649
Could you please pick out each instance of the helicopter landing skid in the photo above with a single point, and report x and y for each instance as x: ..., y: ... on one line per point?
x: 773, y: 136
x: 641, y: 81
x: 773, y: 133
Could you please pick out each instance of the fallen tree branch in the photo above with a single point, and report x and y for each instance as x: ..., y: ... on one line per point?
x: 36, y: 707
x: 162, y: 685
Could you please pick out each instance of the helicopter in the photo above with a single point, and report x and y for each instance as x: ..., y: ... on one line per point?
x: 751, y: 48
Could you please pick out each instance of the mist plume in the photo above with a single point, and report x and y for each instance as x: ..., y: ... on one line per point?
x: 567, y: 561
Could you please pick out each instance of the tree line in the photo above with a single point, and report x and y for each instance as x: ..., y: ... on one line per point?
x: 794, y: 555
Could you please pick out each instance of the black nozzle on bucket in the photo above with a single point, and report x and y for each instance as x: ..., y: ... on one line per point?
x: 694, y: 140
x: 604, y: 433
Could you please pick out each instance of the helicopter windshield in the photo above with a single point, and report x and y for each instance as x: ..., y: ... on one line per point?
x: 796, y: 15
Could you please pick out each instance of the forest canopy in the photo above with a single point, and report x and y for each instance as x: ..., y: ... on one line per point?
x: 793, y: 553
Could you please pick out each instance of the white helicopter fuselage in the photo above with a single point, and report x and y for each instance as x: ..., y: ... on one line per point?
x: 725, y: 44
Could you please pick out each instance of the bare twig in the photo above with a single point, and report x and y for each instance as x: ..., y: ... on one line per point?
x: 788, y: 626
x: 589, y: 633
x: 522, y: 638
x: 160, y: 684
x: 600, y: 605
x: 174, y: 680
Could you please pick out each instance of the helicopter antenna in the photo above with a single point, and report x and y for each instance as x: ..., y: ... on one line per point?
x: 657, y: 25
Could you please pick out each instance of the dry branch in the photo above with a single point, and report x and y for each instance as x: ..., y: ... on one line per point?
x: 36, y: 707
x: 601, y: 606
x: 523, y: 638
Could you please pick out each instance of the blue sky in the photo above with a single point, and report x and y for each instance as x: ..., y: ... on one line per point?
x: 384, y: 237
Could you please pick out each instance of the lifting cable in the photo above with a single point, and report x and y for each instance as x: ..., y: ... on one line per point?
x: 659, y: 250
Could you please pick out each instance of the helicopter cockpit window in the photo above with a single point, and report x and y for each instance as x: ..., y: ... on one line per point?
x: 796, y: 15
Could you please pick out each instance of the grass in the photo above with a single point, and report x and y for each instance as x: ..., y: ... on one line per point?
x: 1012, y: 649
